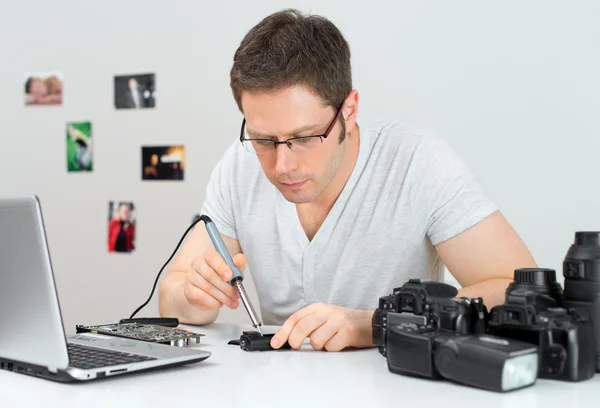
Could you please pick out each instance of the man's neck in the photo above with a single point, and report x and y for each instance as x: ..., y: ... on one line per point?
x: 327, y: 199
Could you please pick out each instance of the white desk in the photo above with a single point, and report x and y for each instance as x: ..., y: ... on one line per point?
x: 305, y: 378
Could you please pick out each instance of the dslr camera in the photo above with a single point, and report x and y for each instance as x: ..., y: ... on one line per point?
x: 534, y: 312
x: 424, y: 330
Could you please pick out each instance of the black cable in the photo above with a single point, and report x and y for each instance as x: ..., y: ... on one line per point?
x: 204, y: 218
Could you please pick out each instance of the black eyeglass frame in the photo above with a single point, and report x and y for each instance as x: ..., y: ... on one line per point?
x: 289, y: 141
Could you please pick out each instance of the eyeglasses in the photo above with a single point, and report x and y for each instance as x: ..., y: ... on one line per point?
x: 296, y: 144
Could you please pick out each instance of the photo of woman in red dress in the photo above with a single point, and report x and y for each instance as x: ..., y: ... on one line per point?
x: 121, y: 227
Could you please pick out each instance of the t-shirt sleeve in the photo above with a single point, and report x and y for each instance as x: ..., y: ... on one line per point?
x: 218, y: 204
x: 453, y: 197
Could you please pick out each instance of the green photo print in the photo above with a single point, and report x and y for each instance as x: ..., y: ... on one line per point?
x: 79, y: 146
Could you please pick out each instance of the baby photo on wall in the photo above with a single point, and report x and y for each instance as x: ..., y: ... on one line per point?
x: 79, y: 146
x: 121, y: 226
x: 163, y: 162
x: 43, y: 88
x: 135, y: 91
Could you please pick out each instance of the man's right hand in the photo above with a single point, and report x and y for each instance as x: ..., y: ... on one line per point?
x: 207, y: 282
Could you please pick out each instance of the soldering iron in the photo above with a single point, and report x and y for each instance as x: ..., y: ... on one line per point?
x: 236, y: 279
x: 237, y: 276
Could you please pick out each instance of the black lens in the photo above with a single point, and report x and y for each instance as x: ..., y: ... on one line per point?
x: 582, y: 261
x: 587, y: 238
x: 581, y: 269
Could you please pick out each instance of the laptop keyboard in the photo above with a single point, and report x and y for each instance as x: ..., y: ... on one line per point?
x: 87, y: 357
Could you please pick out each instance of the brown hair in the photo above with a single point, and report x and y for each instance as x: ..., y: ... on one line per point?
x: 287, y: 48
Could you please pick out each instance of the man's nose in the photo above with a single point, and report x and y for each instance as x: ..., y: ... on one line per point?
x: 286, y: 160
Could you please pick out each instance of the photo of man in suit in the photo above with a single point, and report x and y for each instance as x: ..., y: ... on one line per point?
x: 135, y: 91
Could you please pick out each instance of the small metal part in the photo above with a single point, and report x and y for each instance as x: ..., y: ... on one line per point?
x: 246, y: 301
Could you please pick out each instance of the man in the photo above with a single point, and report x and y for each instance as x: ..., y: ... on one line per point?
x: 331, y: 215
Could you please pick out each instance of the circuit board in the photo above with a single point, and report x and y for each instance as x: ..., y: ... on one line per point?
x: 145, y: 332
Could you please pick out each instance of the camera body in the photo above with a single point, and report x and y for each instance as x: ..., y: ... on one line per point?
x: 533, y: 313
x: 423, y: 330
x: 412, y: 303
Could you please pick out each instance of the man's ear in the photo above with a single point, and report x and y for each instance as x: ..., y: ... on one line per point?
x: 350, y: 110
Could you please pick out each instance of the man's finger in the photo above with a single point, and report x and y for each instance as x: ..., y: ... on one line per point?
x: 221, y: 278
x: 199, y: 298
x: 281, y: 336
x: 208, y: 286
x: 304, y: 328
x: 338, y: 342
x: 323, y: 334
x: 239, y: 260
x: 218, y: 264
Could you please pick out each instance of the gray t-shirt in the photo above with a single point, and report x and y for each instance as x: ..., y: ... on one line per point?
x: 407, y: 193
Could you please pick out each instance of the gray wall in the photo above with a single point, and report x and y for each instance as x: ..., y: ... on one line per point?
x: 512, y: 85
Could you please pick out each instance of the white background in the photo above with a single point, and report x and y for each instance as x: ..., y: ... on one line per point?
x: 513, y: 86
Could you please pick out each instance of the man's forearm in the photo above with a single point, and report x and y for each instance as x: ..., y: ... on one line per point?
x: 173, y: 303
x: 493, y: 291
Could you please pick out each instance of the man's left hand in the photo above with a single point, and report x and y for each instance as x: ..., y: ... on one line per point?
x: 330, y: 328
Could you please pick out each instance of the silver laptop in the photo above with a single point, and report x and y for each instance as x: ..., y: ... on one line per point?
x: 32, y: 338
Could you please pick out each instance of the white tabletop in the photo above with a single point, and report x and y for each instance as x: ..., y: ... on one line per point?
x: 304, y: 378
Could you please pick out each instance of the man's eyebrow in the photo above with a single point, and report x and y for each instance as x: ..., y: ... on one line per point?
x: 296, y: 131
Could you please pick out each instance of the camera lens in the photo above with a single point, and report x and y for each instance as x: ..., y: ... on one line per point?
x: 587, y: 238
x: 581, y: 269
x: 582, y: 261
x: 535, y: 276
x: 538, y: 280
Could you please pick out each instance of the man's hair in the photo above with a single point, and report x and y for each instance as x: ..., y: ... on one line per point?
x: 288, y: 48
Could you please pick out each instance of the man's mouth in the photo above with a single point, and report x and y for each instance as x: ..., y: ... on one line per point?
x: 294, y: 186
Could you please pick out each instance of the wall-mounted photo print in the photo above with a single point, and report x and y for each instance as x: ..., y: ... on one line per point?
x: 135, y: 91
x: 43, y: 88
x: 79, y: 146
x: 163, y: 162
x: 121, y: 226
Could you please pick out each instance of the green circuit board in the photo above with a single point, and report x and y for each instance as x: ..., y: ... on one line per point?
x: 145, y: 332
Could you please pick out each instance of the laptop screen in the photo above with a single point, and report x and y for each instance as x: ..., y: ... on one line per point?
x: 31, y: 328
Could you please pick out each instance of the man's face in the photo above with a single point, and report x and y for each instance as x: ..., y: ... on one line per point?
x: 294, y: 112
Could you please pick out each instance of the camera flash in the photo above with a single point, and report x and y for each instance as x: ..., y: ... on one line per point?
x: 520, y: 371
x: 487, y: 362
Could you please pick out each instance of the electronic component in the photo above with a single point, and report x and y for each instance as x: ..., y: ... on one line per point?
x: 255, y: 341
x: 145, y: 332
x: 159, y: 321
